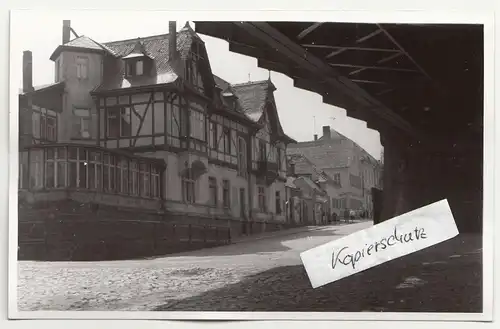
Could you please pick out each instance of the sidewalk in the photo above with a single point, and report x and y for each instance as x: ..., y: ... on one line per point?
x: 289, y: 231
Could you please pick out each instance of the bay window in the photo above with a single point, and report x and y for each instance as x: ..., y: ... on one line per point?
x: 85, y: 167
x: 197, y: 125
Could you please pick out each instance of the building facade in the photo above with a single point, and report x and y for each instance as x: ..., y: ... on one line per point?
x: 145, y: 124
x: 327, y: 190
x: 353, y: 171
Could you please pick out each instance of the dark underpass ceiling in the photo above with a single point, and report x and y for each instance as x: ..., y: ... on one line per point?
x: 429, y: 75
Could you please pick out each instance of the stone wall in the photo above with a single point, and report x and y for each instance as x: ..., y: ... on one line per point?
x: 69, y: 230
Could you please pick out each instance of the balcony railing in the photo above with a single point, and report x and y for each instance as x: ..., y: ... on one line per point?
x: 84, y: 167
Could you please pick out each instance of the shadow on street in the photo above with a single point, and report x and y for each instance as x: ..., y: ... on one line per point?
x: 265, y: 245
x: 443, y: 278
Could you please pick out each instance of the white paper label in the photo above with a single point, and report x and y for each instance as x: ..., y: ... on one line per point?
x: 394, y: 238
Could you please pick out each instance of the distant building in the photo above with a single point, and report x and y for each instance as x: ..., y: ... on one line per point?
x: 354, y: 170
x: 328, y: 190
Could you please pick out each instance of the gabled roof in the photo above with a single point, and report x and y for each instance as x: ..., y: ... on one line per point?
x: 334, y: 135
x: 304, y: 166
x: 81, y: 43
x: 221, y: 83
x: 309, y: 183
x: 228, y: 94
x: 253, y: 97
x: 324, y: 156
x: 46, y: 87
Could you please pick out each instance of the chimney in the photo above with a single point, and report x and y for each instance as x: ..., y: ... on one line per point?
x: 66, y: 35
x: 27, y: 71
x: 315, y: 137
x: 172, y: 39
x: 327, y: 134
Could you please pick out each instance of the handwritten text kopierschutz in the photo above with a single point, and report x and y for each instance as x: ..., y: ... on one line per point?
x: 343, y: 257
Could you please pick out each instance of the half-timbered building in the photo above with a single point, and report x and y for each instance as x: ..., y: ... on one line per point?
x: 145, y: 123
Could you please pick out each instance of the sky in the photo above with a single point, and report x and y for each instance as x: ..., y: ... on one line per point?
x: 302, y: 113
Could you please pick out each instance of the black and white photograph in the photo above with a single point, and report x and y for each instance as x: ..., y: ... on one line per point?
x: 170, y: 165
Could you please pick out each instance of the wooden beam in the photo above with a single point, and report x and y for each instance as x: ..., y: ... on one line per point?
x: 360, y: 40
x: 403, y: 51
x: 142, y: 118
x: 279, y: 42
x: 273, y: 66
x: 386, y: 50
x: 385, y: 91
x: 368, y: 81
x: 366, y: 67
x: 381, y: 61
x: 308, y: 30
x: 388, y: 58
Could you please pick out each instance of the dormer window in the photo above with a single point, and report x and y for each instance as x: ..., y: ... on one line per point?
x: 135, y: 67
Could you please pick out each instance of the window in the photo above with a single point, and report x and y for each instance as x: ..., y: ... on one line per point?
x: 134, y: 67
x: 134, y: 178
x: 336, y: 178
x: 123, y: 176
x: 242, y: 157
x: 262, y: 151
x: 94, y: 170
x: 212, y: 191
x: 82, y: 122
x: 49, y: 168
x: 261, y: 191
x: 355, y: 181
x: 226, y: 202
x: 88, y: 168
x: 139, y: 68
x: 192, y: 74
x: 109, y: 173
x: 44, y: 124
x: 278, y: 158
x: 278, y: 203
x: 188, y: 188
x: 51, y: 132
x: 197, y: 123
x: 82, y: 67
x: 118, y: 122
x: 36, y: 169
x: 155, y: 182
x: 212, y: 135
x: 55, y: 167
x: 226, y: 140
x: 145, y: 179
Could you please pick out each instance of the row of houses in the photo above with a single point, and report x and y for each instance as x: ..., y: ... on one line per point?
x: 342, y: 174
x: 145, y: 125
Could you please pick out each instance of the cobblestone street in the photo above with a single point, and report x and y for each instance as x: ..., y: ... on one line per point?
x: 259, y: 274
